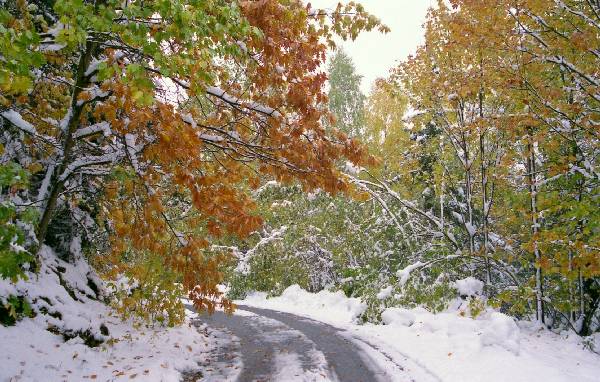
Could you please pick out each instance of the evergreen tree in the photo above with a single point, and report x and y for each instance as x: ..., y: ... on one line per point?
x: 346, y: 101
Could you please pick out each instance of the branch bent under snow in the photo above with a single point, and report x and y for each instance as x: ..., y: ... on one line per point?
x: 16, y: 119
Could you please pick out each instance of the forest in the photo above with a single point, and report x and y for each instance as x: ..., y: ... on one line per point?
x: 162, y: 157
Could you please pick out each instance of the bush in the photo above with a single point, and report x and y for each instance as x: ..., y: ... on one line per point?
x: 14, y: 309
x: 14, y: 258
x: 148, y: 292
x: 428, y: 290
x: 268, y: 272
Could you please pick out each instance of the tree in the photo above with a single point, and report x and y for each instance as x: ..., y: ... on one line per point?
x: 144, y: 122
x: 346, y: 100
x: 385, y: 127
x: 559, y: 79
x: 505, y: 136
x: 488, y: 145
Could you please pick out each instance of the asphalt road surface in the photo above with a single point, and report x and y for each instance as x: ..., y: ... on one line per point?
x: 276, y: 346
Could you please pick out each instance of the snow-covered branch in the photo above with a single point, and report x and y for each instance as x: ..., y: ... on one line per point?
x: 100, y: 127
x: 16, y: 119
x: 92, y: 160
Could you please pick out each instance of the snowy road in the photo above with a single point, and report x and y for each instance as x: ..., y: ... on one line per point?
x: 276, y: 346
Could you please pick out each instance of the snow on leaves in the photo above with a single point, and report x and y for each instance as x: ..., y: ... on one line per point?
x: 157, y: 114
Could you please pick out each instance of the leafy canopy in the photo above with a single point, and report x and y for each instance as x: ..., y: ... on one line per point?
x: 149, y: 121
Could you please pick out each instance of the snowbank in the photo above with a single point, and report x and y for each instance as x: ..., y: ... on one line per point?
x: 73, y: 312
x: 469, y: 286
x: 398, y: 316
x: 28, y: 352
x: 490, y: 329
x: 448, y: 346
x: 593, y: 342
x: 324, y: 305
x: 51, y: 346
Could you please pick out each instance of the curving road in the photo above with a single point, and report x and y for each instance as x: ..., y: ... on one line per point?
x: 277, y: 346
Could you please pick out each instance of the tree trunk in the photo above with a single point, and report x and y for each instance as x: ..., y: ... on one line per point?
x: 484, y: 197
x: 532, y: 177
x: 72, y: 122
x: 468, y: 195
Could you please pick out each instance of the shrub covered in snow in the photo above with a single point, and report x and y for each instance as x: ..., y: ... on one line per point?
x: 147, y: 292
x: 469, y: 286
x: 63, y: 297
x: 14, y: 223
x: 408, y: 288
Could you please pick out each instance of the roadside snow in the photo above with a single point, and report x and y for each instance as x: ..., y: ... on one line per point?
x: 324, y: 305
x: 30, y: 351
x: 448, y: 346
x: 398, y: 316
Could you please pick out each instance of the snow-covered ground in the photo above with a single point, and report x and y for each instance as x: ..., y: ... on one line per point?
x: 30, y: 352
x: 448, y: 346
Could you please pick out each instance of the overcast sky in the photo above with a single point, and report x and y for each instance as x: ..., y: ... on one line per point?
x: 374, y: 54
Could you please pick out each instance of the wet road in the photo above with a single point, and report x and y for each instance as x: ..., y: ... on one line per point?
x: 277, y: 346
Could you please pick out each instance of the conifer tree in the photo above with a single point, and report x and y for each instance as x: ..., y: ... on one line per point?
x: 346, y: 101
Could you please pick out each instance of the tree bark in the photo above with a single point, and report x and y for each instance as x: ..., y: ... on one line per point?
x: 72, y: 122
x: 532, y: 180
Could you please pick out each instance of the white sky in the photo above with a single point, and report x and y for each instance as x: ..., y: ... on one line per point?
x: 374, y: 54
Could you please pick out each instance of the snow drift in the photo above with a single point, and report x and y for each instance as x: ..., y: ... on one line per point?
x: 451, y: 345
x: 74, y: 336
x: 324, y: 305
